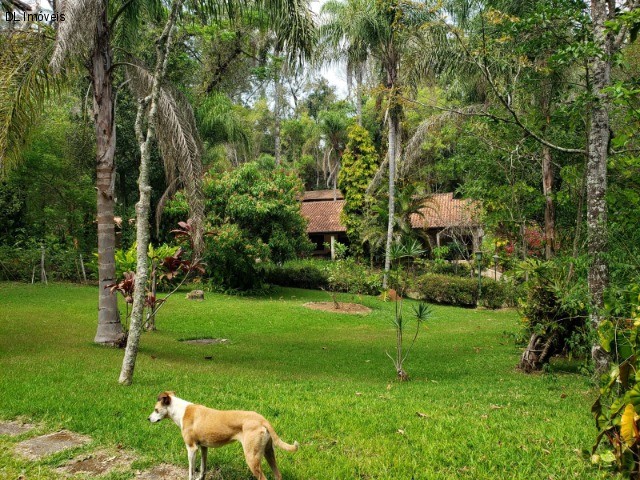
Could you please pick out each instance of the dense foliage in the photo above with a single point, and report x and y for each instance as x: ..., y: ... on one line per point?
x: 253, y: 216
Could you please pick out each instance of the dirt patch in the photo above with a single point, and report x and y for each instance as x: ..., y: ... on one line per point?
x: 38, y: 447
x: 207, y: 341
x: 14, y: 428
x: 97, y: 463
x: 350, y: 308
x: 163, y: 472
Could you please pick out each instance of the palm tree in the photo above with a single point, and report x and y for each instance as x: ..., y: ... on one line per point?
x: 151, y: 106
x: 341, y: 33
x: 88, y: 33
x: 389, y: 30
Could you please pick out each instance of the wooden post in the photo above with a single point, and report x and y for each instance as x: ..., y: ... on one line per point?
x: 84, y: 273
x: 43, y: 273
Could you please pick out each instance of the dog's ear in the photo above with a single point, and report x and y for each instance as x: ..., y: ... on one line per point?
x: 164, y: 398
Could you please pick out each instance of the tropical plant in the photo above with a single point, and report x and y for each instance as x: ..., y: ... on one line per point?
x: 616, y: 408
x: 554, y: 313
x: 406, y: 252
x: 172, y: 265
x: 341, y: 33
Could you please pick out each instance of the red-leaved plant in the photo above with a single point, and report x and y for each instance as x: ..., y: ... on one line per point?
x: 168, y: 268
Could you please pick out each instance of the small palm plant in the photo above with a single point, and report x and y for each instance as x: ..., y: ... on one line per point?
x: 405, y: 252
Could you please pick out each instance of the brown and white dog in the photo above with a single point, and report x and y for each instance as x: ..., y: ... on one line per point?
x: 205, y: 427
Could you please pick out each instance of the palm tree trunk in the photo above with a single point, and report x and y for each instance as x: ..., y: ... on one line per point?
x: 359, y: 69
x: 393, y: 130
x: 109, y: 327
x: 549, y: 209
x: 597, y: 175
x: 277, y: 107
x: 143, y: 206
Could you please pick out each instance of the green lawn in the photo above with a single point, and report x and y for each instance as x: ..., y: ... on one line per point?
x: 322, y: 379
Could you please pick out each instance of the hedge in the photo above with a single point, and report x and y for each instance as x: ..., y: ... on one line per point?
x: 299, y: 275
x: 462, y: 292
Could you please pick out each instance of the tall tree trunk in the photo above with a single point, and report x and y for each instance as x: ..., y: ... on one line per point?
x: 109, y: 327
x: 277, y: 110
x: 597, y: 174
x: 393, y: 130
x: 549, y: 208
x: 163, y: 44
x: 394, y: 110
x: 359, y: 70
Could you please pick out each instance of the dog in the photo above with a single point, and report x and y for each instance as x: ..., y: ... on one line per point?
x: 205, y: 427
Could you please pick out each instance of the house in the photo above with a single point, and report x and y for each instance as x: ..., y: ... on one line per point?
x: 322, y: 209
x: 443, y: 219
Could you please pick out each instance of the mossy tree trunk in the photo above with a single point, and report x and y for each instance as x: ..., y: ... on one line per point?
x: 163, y: 45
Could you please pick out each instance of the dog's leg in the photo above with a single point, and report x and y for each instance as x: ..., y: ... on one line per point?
x: 191, y: 452
x: 253, y: 446
x: 270, y: 455
x: 203, y: 462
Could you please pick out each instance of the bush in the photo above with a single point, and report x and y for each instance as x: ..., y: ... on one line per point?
x: 459, y: 291
x: 347, y: 275
x: 447, y: 290
x: 344, y: 275
x: 493, y: 294
x: 233, y: 259
x: 297, y: 274
x: 443, y: 267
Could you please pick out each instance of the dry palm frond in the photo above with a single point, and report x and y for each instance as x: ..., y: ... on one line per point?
x: 179, y: 142
x: 430, y: 125
x: 25, y: 83
x: 11, y: 5
x: 76, y: 35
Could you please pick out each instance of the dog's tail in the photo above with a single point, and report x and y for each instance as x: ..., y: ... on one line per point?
x: 279, y: 443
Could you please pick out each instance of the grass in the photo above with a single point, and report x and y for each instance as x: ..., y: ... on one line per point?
x: 322, y: 379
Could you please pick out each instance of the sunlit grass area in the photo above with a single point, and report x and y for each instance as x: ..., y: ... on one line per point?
x: 321, y: 378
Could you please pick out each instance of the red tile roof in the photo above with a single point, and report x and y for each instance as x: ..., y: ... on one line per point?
x: 319, y: 195
x: 323, y: 216
x: 441, y: 210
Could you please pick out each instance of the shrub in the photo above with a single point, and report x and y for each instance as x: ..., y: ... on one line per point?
x: 447, y: 289
x: 493, y: 294
x: 349, y: 276
x: 443, y: 267
x: 344, y: 275
x: 553, y: 310
x: 297, y: 274
x: 233, y: 259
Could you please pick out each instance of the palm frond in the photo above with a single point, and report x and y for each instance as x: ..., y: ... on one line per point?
x: 434, y: 123
x: 178, y: 140
x: 25, y: 83
x: 219, y: 123
x: 12, y: 5
x: 76, y: 35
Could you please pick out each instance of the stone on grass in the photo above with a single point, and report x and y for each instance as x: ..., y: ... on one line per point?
x: 14, y: 428
x: 97, y: 463
x: 163, y: 472
x: 195, y: 295
x: 45, y: 445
